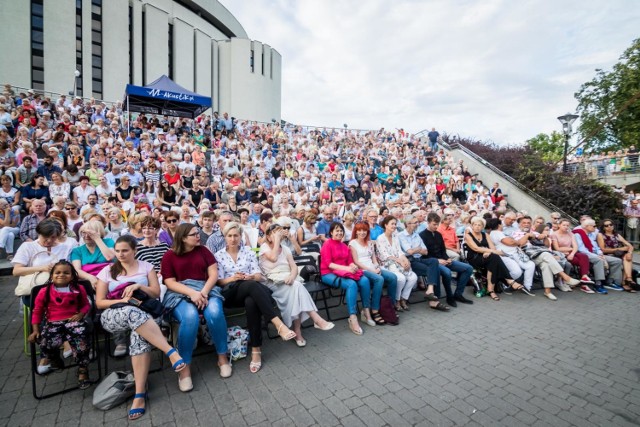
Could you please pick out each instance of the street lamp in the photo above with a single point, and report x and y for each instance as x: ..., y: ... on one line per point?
x: 345, y: 127
x: 75, y: 83
x: 566, y: 120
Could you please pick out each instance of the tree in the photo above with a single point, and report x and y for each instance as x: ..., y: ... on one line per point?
x: 603, y: 96
x: 550, y: 147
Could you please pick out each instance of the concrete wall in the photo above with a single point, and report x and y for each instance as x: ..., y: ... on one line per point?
x: 183, y: 55
x: 59, y: 30
x: 15, y: 31
x: 203, y: 64
x: 115, y: 59
x: 156, y: 43
x: 517, y: 198
x: 248, y: 94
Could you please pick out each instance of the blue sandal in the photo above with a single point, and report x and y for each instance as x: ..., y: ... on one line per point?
x: 136, y: 413
x: 179, y: 365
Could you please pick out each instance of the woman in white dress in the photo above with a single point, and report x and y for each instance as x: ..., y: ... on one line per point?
x: 281, y: 271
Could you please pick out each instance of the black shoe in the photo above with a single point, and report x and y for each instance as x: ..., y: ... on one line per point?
x: 451, y: 302
x: 462, y: 299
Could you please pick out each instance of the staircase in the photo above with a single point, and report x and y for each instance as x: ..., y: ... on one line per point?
x: 517, y: 195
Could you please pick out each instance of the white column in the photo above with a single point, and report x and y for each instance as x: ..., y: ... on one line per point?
x: 183, y: 57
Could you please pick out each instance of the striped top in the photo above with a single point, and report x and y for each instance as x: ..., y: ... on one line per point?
x: 152, y: 254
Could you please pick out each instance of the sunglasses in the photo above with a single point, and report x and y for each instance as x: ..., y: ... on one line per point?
x: 608, y: 225
x: 171, y: 221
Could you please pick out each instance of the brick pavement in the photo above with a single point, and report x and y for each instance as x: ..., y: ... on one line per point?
x: 520, y: 361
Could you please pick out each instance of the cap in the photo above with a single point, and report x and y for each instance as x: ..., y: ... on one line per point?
x: 448, y: 211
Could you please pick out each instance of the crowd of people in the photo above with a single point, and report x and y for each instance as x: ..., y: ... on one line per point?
x: 211, y: 213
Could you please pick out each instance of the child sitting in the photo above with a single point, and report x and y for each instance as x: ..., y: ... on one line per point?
x: 59, y: 315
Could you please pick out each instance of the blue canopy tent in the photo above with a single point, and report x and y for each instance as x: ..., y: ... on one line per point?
x: 165, y: 97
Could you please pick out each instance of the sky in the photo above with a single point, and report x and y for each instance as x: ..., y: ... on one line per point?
x: 492, y: 70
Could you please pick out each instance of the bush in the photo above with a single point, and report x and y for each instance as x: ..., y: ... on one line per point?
x: 576, y: 194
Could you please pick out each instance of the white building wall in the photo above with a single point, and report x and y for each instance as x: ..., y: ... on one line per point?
x: 115, y: 49
x: 205, y: 59
x: 137, y: 43
x: 245, y: 94
x: 15, y: 31
x: 183, y: 57
x: 203, y: 64
x: 59, y: 30
x: 156, y: 43
x: 224, y: 78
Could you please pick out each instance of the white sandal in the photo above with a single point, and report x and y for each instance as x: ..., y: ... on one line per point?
x: 255, y: 366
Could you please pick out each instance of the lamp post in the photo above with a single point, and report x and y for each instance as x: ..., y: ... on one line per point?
x: 566, y: 120
x: 75, y: 83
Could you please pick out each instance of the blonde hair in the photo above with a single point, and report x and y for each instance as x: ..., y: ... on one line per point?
x: 95, y: 226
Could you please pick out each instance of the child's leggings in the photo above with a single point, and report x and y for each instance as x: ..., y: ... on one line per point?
x: 53, y: 334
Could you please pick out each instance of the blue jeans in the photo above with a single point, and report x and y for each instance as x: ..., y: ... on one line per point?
x: 351, y: 288
x: 427, y: 267
x: 186, y: 314
x: 378, y: 280
x: 464, y: 271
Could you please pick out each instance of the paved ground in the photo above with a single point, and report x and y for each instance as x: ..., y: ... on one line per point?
x: 520, y: 361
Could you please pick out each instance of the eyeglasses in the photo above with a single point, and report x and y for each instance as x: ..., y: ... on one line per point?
x: 171, y: 221
x: 193, y: 234
x: 608, y: 225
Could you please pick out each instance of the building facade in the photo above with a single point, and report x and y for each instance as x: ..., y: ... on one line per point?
x: 197, y: 43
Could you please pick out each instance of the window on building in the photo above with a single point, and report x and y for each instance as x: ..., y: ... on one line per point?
x: 96, y: 48
x: 170, y: 51
x: 78, y: 81
x: 130, y: 45
x: 262, y: 53
x: 37, y: 44
x: 252, y: 61
x: 144, y: 48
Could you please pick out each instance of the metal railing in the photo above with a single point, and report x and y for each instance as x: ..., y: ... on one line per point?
x: 603, y: 166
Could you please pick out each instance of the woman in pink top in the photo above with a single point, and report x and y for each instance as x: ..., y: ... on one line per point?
x: 563, y: 240
x: 339, y: 271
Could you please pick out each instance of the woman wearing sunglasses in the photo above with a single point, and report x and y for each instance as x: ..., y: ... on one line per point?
x: 166, y: 236
x: 613, y: 244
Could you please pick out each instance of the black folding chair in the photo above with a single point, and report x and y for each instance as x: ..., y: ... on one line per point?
x: 94, y: 346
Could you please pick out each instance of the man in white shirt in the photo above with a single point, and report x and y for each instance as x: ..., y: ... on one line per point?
x: 82, y: 191
x: 92, y: 203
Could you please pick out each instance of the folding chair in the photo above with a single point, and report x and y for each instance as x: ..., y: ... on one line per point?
x: 316, y: 288
x: 94, y: 346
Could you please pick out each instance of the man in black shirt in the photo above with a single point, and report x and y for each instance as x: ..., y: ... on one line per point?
x: 435, y: 245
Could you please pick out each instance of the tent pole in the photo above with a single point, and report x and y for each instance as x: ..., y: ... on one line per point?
x: 128, y: 117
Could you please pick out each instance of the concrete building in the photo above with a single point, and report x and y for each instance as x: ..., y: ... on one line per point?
x: 197, y: 43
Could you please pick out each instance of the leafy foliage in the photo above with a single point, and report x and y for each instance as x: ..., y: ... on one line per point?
x: 575, y: 194
x: 603, y: 96
x: 550, y: 147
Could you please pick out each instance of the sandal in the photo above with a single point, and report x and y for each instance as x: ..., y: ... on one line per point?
x: 83, y: 379
x: 493, y: 296
x: 255, y: 366
x: 404, y: 305
x: 398, y: 307
x: 628, y: 287
x: 431, y: 297
x: 290, y: 335
x: 377, y: 317
x: 440, y: 307
x: 135, y: 413
x: 355, y: 331
x: 179, y: 364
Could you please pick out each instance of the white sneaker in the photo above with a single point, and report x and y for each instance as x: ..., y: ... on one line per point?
x: 44, y: 369
x: 563, y: 286
x: 551, y: 296
x: 121, y: 350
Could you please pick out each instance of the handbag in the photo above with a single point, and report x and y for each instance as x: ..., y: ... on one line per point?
x: 237, y: 339
x: 348, y: 275
x: 28, y: 282
x: 116, y: 388
x: 144, y: 302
